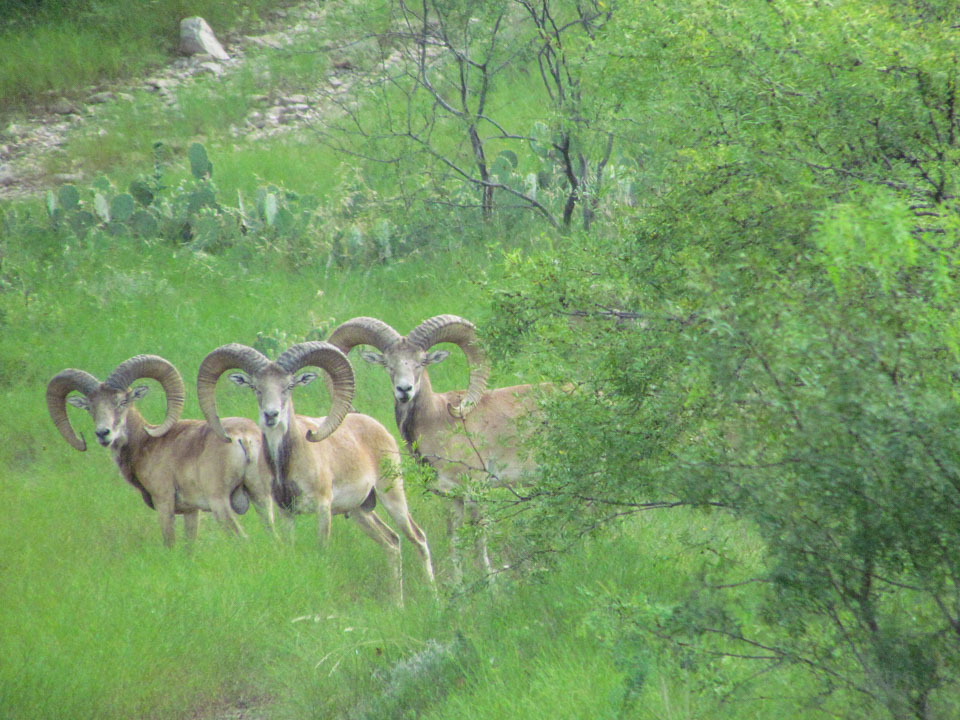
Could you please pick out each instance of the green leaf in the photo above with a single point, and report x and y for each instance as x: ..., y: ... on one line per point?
x: 69, y: 197
x: 141, y: 192
x: 116, y: 228
x: 144, y: 224
x: 270, y: 208
x: 206, y: 232
x: 284, y: 220
x: 510, y: 156
x: 81, y: 221
x: 101, y: 207
x: 200, y: 198
x: 538, y: 142
x: 199, y: 163
x: 121, y: 207
x: 502, y: 168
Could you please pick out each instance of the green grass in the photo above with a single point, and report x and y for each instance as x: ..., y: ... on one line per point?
x: 100, y: 621
x: 121, y: 140
x: 61, y: 48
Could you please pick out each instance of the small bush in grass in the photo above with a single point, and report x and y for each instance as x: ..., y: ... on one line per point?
x: 417, y: 682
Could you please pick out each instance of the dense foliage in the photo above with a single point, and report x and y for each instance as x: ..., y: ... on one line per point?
x: 775, y: 335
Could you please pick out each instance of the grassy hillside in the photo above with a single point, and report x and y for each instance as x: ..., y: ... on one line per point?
x: 101, y: 621
x: 734, y: 229
x: 56, y: 48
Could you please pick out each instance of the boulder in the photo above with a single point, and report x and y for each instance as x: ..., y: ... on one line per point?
x: 197, y: 37
x: 102, y: 97
x: 62, y: 106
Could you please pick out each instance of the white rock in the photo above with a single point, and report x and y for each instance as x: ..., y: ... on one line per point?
x: 197, y: 37
x: 212, y: 68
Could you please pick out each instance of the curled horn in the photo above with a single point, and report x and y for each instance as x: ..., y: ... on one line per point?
x: 328, y: 357
x: 225, y: 357
x: 155, y: 368
x: 454, y: 329
x: 62, y: 384
x: 364, y: 331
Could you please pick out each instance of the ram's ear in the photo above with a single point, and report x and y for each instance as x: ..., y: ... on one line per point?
x: 374, y: 358
x: 304, y: 378
x: 436, y: 356
x: 79, y: 401
x: 138, y: 392
x: 241, y: 379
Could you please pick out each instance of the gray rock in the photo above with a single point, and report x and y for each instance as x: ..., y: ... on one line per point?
x: 102, y: 97
x: 210, y: 67
x: 62, y: 106
x: 160, y: 83
x: 197, y: 37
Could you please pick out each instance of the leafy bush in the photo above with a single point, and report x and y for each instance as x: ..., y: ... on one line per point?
x: 775, y: 337
x: 419, y: 681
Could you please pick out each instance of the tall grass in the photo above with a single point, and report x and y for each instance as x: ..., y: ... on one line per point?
x: 61, y: 47
x: 97, y: 620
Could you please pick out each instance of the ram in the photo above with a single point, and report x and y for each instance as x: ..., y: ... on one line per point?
x: 342, y: 463
x: 180, y: 466
x: 470, y: 434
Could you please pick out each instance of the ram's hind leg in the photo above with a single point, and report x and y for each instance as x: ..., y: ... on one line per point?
x: 226, y: 517
x: 480, y: 541
x: 381, y: 533
x: 191, y: 520
x: 265, y: 513
x: 461, y: 512
x: 395, y: 502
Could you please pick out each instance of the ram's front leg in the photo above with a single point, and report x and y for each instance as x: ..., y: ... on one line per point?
x: 324, y: 520
x: 165, y: 507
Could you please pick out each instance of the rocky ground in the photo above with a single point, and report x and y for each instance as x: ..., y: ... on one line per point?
x: 27, y: 143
